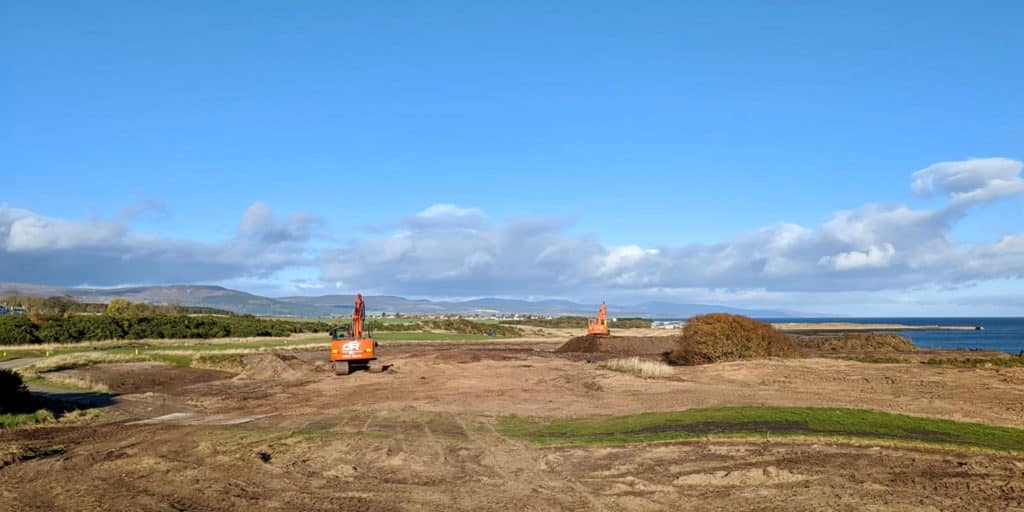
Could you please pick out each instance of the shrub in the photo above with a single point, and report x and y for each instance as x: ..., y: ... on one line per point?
x: 463, y: 326
x: 723, y: 337
x: 860, y: 342
x: 16, y: 330
x: 14, y: 396
x: 562, y: 322
x: 629, y: 323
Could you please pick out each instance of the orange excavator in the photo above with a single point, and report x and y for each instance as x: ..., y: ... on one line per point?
x: 599, y: 326
x: 351, y: 348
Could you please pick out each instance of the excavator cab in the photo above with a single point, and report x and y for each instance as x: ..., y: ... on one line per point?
x: 599, y: 326
x: 351, y: 348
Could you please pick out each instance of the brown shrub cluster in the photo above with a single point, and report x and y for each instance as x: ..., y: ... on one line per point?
x: 723, y: 337
x: 860, y: 342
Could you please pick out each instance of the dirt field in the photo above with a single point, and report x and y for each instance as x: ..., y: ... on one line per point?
x: 286, y: 434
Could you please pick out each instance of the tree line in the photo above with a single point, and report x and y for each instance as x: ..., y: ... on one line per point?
x: 121, y: 319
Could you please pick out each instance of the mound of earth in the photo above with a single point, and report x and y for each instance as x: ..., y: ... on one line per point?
x: 274, y: 367
x: 625, y: 345
x: 860, y: 342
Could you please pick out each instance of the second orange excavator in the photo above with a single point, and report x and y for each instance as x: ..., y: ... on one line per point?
x: 599, y: 326
x: 351, y: 348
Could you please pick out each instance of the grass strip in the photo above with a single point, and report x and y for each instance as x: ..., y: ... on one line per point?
x: 745, y: 422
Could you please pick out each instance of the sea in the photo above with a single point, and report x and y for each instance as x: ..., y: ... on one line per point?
x: 999, y: 334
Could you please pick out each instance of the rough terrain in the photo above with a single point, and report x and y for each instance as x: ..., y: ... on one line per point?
x: 286, y: 434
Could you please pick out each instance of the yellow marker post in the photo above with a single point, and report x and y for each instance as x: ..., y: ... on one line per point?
x: 136, y: 351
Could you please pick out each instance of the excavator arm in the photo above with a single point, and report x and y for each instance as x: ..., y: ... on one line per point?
x: 599, y: 326
x: 358, y: 316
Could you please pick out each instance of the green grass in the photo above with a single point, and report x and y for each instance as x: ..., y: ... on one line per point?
x: 746, y: 422
x: 13, y: 420
x: 65, y: 386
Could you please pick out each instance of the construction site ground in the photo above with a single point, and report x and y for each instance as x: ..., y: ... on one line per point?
x: 287, y: 434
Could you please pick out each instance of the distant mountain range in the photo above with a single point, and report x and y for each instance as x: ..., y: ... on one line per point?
x: 341, y: 305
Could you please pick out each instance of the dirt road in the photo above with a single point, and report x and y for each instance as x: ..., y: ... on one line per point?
x: 289, y: 435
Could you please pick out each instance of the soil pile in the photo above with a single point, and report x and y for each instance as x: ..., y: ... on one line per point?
x: 625, y: 345
x: 722, y: 337
x: 860, y: 342
x: 273, y: 367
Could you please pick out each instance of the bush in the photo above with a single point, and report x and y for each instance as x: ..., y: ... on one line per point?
x: 17, y: 330
x: 860, y: 342
x: 14, y: 396
x: 463, y: 326
x: 723, y: 337
x: 629, y: 323
x: 75, y: 328
x: 562, y: 322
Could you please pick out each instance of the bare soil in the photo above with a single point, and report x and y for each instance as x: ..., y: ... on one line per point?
x: 421, y: 437
x: 619, y: 345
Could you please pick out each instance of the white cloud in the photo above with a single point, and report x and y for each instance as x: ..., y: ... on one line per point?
x: 876, y: 256
x: 44, y: 250
x: 447, y: 250
x: 875, y: 247
x: 972, y: 181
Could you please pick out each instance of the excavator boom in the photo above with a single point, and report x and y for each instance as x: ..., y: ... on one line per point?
x: 599, y: 326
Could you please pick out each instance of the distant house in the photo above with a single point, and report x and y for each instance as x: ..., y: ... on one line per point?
x: 5, y: 310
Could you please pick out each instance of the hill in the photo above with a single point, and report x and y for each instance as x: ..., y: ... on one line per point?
x: 341, y: 305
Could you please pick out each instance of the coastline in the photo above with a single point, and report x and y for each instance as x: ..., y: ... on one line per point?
x: 854, y: 326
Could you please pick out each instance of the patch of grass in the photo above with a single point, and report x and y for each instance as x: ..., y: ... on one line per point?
x: 1002, y: 362
x: 69, y: 383
x: 645, y: 368
x: 14, y: 420
x: 741, y: 422
x: 875, y: 359
x: 229, y: 362
x: 77, y: 360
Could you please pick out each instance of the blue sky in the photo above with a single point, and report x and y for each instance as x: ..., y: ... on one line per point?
x: 583, y: 150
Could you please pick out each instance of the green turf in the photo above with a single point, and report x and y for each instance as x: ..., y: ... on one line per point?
x: 728, y: 422
x: 13, y: 420
x: 55, y: 384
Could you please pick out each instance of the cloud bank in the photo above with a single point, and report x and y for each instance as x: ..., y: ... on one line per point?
x: 43, y: 250
x: 449, y: 250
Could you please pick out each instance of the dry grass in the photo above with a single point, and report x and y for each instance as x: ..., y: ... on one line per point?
x: 645, y: 368
x: 77, y: 383
x: 76, y: 360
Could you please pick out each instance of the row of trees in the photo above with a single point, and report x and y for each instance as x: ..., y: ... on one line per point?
x: 74, y: 328
x: 41, y: 309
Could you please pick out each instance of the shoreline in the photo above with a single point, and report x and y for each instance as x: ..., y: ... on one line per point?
x: 854, y: 327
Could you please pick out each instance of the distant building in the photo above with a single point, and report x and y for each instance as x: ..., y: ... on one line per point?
x: 6, y: 310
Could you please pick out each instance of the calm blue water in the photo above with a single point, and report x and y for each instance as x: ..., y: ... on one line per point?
x: 1002, y: 334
